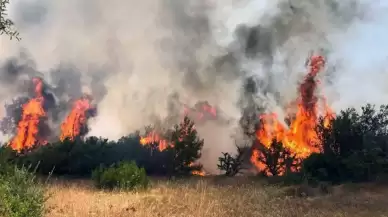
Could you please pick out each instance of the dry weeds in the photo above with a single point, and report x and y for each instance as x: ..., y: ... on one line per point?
x: 208, y: 197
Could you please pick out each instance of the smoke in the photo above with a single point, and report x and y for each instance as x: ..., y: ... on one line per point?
x: 143, y: 60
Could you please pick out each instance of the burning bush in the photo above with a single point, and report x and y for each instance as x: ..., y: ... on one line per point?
x: 123, y: 176
x: 276, y: 159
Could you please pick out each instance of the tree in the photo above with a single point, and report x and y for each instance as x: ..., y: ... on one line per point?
x: 186, y: 148
x: 353, y: 148
x: 6, y: 25
x: 277, y: 159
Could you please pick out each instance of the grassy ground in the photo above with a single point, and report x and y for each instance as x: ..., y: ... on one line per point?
x: 213, y: 197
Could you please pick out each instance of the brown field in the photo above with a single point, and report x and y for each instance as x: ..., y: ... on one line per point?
x: 215, y: 197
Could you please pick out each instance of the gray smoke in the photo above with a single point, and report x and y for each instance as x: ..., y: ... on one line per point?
x: 143, y: 60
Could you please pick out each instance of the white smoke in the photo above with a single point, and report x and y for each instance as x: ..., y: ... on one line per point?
x: 146, y: 51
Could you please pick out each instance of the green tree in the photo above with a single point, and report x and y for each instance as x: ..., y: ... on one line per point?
x: 354, y: 148
x: 186, y: 149
x: 6, y: 25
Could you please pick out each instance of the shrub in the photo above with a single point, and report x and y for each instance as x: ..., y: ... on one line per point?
x: 124, y: 176
x: 20, y: 194
x: 321, y: 167
x: 231, y: 165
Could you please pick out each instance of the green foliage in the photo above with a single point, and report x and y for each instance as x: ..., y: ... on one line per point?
x: 123, y: 176
x: 231, y: 165
x: 355, y: 148
x: 81, y: 157
x: 187, y: 148
x: 67, y: 157
x: 6, y: 25
x: 20, y: 194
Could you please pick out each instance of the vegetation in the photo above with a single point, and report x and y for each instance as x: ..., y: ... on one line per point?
x: 80, y: 157
x: 215, y: 197
x: 353, y: 149
x: 231, y: 165
x: 186, y: 149
x: 277, y: 158
x: 6, y: 25
x: 123, y: 176
x: 20, y: 194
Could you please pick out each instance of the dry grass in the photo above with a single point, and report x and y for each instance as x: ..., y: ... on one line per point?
x: 211, y: 197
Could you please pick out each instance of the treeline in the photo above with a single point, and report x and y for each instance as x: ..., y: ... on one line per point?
x: 80, y: 158
x: 354, y: 148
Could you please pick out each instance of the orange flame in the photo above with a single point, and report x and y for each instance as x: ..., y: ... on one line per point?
x: 154, y: 138
x: 76, y: 120
x: 28, y: 127
x: 197, y: 172
x: 300, y: 137
x: 201, y: 109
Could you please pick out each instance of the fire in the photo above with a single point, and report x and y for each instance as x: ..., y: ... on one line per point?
x: 201, y: 111
x: 197, y: 172
x: 75, y: 122
x: 300, y: 136
x: 155, y: 138
x: 28, y: 127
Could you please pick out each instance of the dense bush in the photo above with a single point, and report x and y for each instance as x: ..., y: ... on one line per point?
x: 354, y: 148
x: 123, y: 176
x: 20, y: 194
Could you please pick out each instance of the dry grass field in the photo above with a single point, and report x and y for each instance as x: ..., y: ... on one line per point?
x: 213, y: 197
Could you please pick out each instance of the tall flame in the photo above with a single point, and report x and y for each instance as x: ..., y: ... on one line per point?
x: 300, y: 136
x: 28, y: 127
x: 76, y: 120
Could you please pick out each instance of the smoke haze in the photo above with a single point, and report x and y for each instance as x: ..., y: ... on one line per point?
x: 142, y: 60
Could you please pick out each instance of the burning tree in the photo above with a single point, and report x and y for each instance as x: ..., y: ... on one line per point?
x: 75, y: 124
x: 300, y: 137
x: 33, y: 114
x: 276, y: 159
x: 154, y: 139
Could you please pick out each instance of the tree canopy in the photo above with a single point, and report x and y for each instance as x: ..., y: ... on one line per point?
x: 6, y: 25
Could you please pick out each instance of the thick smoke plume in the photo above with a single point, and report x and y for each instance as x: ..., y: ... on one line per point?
x: 143, y: 61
